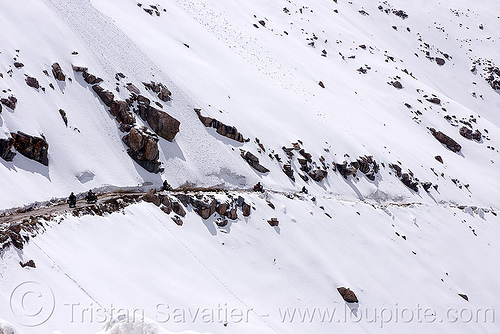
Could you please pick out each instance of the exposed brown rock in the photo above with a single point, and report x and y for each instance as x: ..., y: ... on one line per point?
x: 464, y: 296
x: 121, y: 111
x: 221, y: 128
x: 348, y: 295
x: 273, y: 222
x: 5, y: 149
x: 106, y: 96
x: 246, y: 209
x: 434, y: 100
x: 9, y: 102
x: 253, y: 161
x: 32, y: 82
x: 57, y: 72
x: 162, y: 123
x: 33, y: 148
x: 438, y: 158
x: 143, y: 148
x: 64, y: 117
x: 90, y: 78
x: 446, y: 140
x: 177, y: 220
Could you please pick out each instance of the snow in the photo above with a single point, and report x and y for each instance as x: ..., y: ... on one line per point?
x: 265, y: 82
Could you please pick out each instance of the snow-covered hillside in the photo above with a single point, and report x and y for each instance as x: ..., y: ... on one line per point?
x: 387, y: 112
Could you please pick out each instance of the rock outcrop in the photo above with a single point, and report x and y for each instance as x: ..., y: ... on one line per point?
x: 143, y: 148
x: 5, y: 149
x: 446, y: 140
x: 221, y: 128
x: 33, y: 148
x: 57, y: 72
x: 160, y: 89
x: 106, y: 96
x: 32, y: 82
x: 253, y: 161
x: 348, y: 295
x: 469, y: 134
x: 9, y: 102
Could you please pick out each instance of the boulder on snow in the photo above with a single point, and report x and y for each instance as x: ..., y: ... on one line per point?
x: 5, y: 149
x: 106, y: 96
x: 162, y: 123
x: 33, y: 148
x: 32, y: 82
x: 57, y: 72
x: 247, y: 209
x: 446, y: 140
x: 9, y: 102
x: 121, y: 111
x: 143, y: 148
x: 224, y: 130
x: 253, y: 161
x: 348, y: 295
x: 273, y: 222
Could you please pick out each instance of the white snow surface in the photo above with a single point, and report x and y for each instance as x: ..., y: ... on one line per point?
x: 93, y: 272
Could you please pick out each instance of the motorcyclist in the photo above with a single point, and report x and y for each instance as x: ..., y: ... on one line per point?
x: 91, y: 197
x: 72, y: 200
x: 166, y: 186
x: 258, y: 187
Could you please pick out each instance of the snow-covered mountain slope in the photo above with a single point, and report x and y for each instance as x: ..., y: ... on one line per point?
x: 388, y: 112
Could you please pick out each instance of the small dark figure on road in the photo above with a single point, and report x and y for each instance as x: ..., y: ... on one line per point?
x: 72, y: 200
x: 91, y: 197
x: 258, y: 187
x: 166, y: 186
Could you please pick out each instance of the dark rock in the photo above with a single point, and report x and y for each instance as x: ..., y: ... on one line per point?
x: 427, y: 186
x: 5, y: 149
x: 177, y: 220
x: 79, y: 68
x: 33, y: 148
x: 121, y: 111
x: 106, y: 96
x: 9, y: 102
x: 273, y: 222
x: 178, y: 209
x: 143, y: 148
x: 222, y: 208
x: 205, y: 210
x: 408, y: 181
x: 287, y: 169
x: 321, y: 84
x: 221, y: 222
x: 57, y: 72
x: 221, y: 128
x: 162, y: 123
x: 445, y: 140
x: 64, y: 117
x: 465, y: 132
x: 253, y: 161
x: 464, y: 296
x: 348, y: 295
x: 18, y: 64
x: 318, y: 174
x: 476, y: 135
x: 133, y: 89
x: 91, y: 79
x: 246, y: 209
x: 32, y: 82
x: 345, y: 170
x: 232, y: 214
x: 397, y: 84
x: 152, y: 197
x: 440, y: 61
x: 434, y: 100
x: 262, y: 23
x: 30, y: 264
x: 438, y: 158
